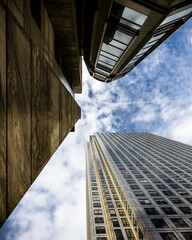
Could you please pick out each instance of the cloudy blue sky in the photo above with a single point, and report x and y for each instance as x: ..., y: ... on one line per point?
x: 155, y: 97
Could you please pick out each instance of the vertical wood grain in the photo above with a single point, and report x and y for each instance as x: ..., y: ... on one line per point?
x: 40, y: 133
x: 18, y: 113
x: 53, y: 111
x: 2, y: 115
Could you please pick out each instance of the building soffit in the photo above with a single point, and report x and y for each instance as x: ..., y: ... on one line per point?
x: 63, y: 16
x: 156, y: 12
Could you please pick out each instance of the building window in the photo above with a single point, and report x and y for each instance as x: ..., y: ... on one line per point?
x: 148, y: 187
x: 99, y: 220
x: 151, y: 211
x: 186, y: 210
x: 96, y: 205
x: 155, y: 180
x: 115, y: 222
x: 118, y: 204
x: 129, y: 234
x: 144, y: 201
x: 93, y: 184
x: 125, y: 222
x: 134, y: 187
x: 168, y: 210
x: 160, y: 201
x: 95, y: 193
x: 93, y: 180
x: 112, y: 212
x: 174, y: 186
x: 168, y: 193
x: 94, y: 188
x: 108, y: 197
x: 98, y: 212
x: 115, y: 197
x: 119, y: 235
x: 159, y: 223
x: 96, y: 199
x: 176, y: 200
x: 179, y: 222
x: 189, y: 199
x: 161, y: 186
x: 143, y: 181
x: 36, y: 12
x: 182, y: 192
x: 100, y: 230
x: 139, y: 193
x: 110, y: 204
x: 168, y: 236
x: 101, y: 238
x: 154, y: 193
x: 187, y: 235
x: 121, y: 212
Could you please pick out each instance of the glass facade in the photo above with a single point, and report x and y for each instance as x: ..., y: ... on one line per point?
x: 139, y: 186
x: 130, y: 32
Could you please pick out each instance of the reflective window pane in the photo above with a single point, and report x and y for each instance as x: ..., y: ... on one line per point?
x: 150, y: 44
x: 142, y: 51
x: 176, y: 16
x: 156, y: 37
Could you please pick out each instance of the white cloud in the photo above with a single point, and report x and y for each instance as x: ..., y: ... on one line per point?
x: 180, y: 125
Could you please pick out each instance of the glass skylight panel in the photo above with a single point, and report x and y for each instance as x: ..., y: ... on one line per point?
x: 122, y: 37
x: 134, y: 16
x: 118, y: 44
x: 109, y: 55
x: 129, y: 24
x: 110, y: 49
x: 99, y: 75
x: 105, y: 64
x: 107, y: 60
x: 177, y: 16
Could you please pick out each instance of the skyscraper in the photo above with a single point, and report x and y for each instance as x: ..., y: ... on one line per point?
x: 139, y: 186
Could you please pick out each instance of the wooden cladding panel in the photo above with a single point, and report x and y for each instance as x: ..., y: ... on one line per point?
x: 2, y: 116
x: 40, y: 99
x: 63, y: 113
x: 53, y: 111
x: 18, y: 114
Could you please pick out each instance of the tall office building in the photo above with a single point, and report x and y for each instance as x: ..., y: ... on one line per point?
x: 139, y: 186
x: 40, y: 72
x: 119, y: 34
